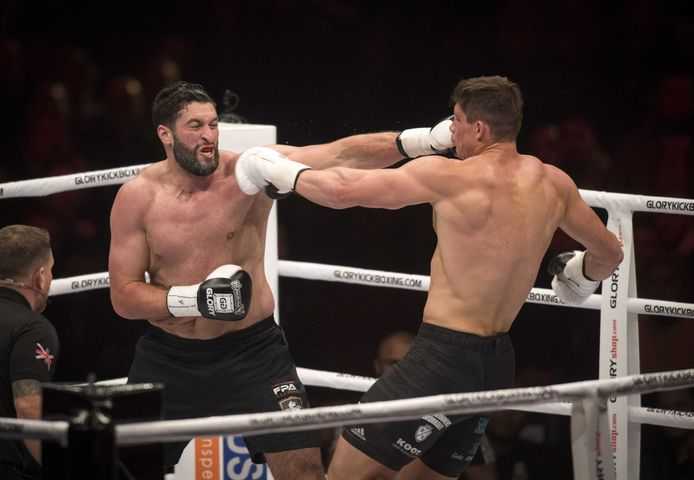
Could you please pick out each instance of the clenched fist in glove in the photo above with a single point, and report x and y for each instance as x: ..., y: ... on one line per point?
x: 570, y: 282
x: 264, y: 168
x: 415, y: 142
x: 224, y: 295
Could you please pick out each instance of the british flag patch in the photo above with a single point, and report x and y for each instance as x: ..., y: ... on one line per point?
x: 44, y: 354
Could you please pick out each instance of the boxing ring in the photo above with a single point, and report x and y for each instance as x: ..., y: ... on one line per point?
x: 606, y: 414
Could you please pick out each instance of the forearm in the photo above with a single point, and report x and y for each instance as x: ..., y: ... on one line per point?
x: 34, y: 447
x: 139, y: 300
x: 28, y: 407
x: 601, y: 266
x: 366, y: 151
x: 375, y: 150
x: 331, y: 188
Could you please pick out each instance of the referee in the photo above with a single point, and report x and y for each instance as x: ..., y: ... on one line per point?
x: 28, y: 342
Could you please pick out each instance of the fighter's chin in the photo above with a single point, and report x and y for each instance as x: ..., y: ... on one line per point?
x: 206, y: 166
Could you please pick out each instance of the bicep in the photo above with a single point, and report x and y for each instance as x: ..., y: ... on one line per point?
x: 128, y: 253
x: 414, y: 183
x: 389, y: 188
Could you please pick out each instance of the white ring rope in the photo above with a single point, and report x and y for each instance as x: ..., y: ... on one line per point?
x: 312, y: 418
x: 379, y: 278
x: 34, y: 429
x: 638, y: 203
x: 357, y: 383
x: 459, y: 403
x: 39, y: 187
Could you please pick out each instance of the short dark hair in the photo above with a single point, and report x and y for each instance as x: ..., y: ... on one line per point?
x: 173, y: 98
x: 494, y: 100
x: 22, y: 249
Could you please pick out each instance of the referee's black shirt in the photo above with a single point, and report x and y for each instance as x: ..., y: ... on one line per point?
x: 28, y: 351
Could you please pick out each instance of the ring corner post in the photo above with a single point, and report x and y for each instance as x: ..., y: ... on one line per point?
x: 619, y: 347
x: 239, y: 137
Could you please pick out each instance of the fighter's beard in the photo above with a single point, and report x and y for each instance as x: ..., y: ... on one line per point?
x: 188, y: 160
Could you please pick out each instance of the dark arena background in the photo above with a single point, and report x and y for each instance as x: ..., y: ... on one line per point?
x: 609, y: 92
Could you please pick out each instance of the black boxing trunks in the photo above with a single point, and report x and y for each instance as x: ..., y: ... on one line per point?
x: 246, y: 371
x: 440, y: 361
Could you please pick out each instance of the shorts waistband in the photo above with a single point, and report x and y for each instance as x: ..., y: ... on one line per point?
x: 464, y: 339
x: 228, y: 339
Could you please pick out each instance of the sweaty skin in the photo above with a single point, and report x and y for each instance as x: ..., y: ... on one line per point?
x: 495, y: 214
x: 179, y: 227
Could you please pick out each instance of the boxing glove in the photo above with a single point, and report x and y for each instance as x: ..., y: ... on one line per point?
x: 570, y: 282
x: 264, y: 168
x: 224, y: 295
x: 415, y: 142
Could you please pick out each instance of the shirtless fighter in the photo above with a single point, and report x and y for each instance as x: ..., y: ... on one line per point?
x: 213, y: 341
x: 495, y: 214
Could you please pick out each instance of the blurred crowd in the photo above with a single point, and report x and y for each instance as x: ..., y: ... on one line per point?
x: 602, y: 104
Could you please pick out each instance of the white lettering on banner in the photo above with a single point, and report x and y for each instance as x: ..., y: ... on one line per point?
x: 238, y: 464
x: 241, y: 473
x: 670, y: 205
x: 207, y: 466
x: 235, y: 444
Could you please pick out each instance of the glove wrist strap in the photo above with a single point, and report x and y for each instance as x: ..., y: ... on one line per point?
x: 182, y: 301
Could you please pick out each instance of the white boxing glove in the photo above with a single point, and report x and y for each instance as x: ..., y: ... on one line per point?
x: 569, y: 282
x: 415, y: 142
x: 224, y: 295
x: 264, y: 168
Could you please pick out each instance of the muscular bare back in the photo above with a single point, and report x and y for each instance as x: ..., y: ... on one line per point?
x: 179, y: 234
x: 496, y: 217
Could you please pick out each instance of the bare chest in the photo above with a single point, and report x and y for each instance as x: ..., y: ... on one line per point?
x: 190, y: 234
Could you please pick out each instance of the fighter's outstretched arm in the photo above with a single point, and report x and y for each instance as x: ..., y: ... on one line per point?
x: 340, y: 187
x: 370, y: 150
x: 373, y: 150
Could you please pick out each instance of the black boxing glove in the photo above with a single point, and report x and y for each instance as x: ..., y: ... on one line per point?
x: 224, y: 295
